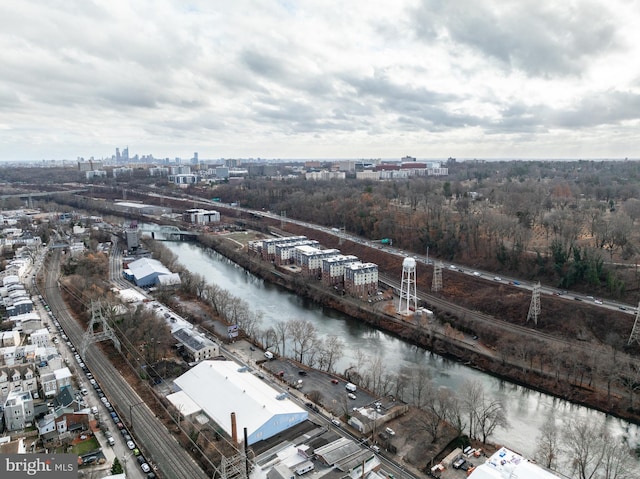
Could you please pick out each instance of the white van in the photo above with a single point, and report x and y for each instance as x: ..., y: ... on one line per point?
x: 351, y: 387
x: 268, y: 354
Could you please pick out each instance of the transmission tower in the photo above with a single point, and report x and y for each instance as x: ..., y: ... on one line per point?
x: 635, y: 332
x: 408, y: 287
x: 534, y: 308
x: 436, y: 284
x: 104, y: 332
x: 234, y: 467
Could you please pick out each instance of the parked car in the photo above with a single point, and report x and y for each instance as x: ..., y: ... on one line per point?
x: 145, y: 467
x: 131, y: 445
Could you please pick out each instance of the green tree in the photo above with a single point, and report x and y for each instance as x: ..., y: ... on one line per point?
x: 446, y: 190
x: 116, y: 467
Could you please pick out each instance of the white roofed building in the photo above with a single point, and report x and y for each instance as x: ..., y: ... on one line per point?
x: 200, y: 216
x: 268, y: 247
x: 220, y: 388
x: 361, y: 279
x: 146, y: 272
x: 310, y: 259
x: 506, y: 464
x: 196, y: 346
x: 285, y: 252
x: 333, y: 268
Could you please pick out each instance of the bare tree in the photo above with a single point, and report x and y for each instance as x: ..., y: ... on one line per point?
x: 268, y: 338
x: 437, y: 411
x: 485, y: 413
x: 303, y: 336
x: 492, y: 415
x: 593, y: 453
x: 629, y: 379
x: 334, y: 348
x: 376, y: 372
x: 548, y: 446
x: 200, y: 285
x: 471, y: 396
x: 419, y: 386
x: 401, y: 380
x: 281, y: 329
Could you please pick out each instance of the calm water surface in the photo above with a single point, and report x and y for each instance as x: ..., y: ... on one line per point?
x: 527, y: 410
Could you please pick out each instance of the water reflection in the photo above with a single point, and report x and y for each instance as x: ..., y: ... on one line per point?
x: 527, y: 409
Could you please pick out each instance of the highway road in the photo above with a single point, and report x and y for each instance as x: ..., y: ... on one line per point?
x: 157, y: 442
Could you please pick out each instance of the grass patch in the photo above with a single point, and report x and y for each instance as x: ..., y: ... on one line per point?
x: 86, y: 446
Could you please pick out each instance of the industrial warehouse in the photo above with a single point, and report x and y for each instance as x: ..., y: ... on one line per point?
x: 256, y: 406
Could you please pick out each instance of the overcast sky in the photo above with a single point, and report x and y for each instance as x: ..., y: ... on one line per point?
x: 320, y: 78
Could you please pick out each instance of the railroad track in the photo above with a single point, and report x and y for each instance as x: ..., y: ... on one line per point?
x: 159, y: 444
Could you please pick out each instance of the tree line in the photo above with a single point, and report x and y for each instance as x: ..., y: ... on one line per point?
x: 560, y: 222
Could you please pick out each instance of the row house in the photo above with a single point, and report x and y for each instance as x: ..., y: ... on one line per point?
x: 28, y: 353
x: 361, y: 279
x: 27, y: 323
x: 268, y: 246
x: 18, y: 410
x: 61, y: 423
x: 40, y: 338
x: 311, y: 261
x: 53, y: 382
x: 17, y: 379
x: 285, y: 253
x: 9, y: 338
x: 17, y: 306
x: 333, y: 269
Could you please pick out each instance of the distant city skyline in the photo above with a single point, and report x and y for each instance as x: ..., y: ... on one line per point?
x: 320, y: 79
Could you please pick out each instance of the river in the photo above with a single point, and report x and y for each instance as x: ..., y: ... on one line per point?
x: 527, y: 410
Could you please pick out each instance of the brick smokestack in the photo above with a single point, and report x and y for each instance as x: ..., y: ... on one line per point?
x: 234, y: 429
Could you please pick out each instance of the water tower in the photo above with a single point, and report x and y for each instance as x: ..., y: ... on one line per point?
x: 408, y: 303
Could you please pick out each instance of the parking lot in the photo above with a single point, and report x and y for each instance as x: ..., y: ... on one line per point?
x: 322, y: 388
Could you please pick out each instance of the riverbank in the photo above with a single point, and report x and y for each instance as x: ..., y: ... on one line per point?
x: 441, y: 340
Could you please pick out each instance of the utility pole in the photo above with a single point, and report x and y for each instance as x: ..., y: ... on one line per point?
x: 131, y: 406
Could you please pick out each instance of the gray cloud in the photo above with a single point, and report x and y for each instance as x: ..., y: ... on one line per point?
x: 541, y: 39
x: 263, y: 65
x: 261, y: 77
